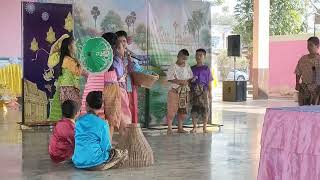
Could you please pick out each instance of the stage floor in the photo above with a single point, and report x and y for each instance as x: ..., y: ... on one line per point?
x: 232, y: 153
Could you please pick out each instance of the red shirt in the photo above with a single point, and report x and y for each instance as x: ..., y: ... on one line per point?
x: 61, y: 144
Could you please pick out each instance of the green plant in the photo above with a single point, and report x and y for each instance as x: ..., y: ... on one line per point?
x: 225, y: 64
x: 141, y: 36
x: 286, y: 17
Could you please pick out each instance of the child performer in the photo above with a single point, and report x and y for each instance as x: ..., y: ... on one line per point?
x: 111, y: 93
x: 61, y: 144
x: 95, y: 82
x: 179, y: 75
x: 131, y: 88
x: 68, y: 71
x: 118, y: 65
x: 92, y: 139
x: 200, y: 91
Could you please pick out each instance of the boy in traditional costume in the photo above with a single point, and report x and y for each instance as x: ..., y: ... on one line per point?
x: 200, y: 91
x: 179, y: 75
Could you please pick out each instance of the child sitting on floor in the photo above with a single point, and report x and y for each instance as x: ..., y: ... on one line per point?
x: 92, y: 139
x: 62, y: 140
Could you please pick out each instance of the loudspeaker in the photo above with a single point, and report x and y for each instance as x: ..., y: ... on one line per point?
x: 234, y: 45
x: 234, y: 91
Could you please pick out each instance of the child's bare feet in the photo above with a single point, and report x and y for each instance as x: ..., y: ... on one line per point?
x: 194, y: 130
x: 205, y: 131
x: 182, y: 131
x: 169, y: 132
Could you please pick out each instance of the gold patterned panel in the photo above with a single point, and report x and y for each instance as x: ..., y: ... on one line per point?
x: 35, y: 104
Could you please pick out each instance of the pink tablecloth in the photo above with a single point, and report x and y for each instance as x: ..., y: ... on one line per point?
x: 290, y: 144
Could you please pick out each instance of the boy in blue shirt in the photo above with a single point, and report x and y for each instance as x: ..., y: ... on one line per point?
x: 93, y: 149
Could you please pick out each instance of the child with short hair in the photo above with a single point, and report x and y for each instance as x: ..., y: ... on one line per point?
x: 92, y: 139
x: 61, y: 144
x: 200, y: 91
x: 179, y: 74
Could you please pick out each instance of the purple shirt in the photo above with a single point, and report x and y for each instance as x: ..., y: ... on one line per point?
x: 203, y: 75
x: 118, y: 66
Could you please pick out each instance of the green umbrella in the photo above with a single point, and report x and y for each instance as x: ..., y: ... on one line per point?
x: 96, y: 55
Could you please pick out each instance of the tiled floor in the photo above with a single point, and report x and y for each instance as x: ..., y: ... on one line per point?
x: 231, y: 154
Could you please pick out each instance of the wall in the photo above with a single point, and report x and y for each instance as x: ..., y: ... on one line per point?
x: 10, y: 31
x: 285, y: 52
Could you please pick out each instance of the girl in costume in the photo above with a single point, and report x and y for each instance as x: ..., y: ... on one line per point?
x: 68, y: 71
x: 111, y: 93
x: 120, y: 69
x: 132, y: 66
x: 107, y: 83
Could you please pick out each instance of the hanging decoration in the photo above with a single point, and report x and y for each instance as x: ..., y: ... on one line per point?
x: 34, y: 45
x: 51, y: 36
x: 68, y: 23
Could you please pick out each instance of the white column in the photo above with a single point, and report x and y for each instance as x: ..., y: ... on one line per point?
x: 261, y: 11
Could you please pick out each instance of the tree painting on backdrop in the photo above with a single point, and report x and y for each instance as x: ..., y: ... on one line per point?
x: 95, y: 17
x: 174, y: 25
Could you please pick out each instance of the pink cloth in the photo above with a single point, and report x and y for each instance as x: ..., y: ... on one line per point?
x: 133, y: 104
x: 110, y: 77
x: 125, y: 110
x: 290, y: 144
x: 95, y: 82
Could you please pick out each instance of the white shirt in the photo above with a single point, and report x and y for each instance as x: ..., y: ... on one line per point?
x: 180, y: 73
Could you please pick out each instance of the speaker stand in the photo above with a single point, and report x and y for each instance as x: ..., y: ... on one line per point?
x: 234, y: 68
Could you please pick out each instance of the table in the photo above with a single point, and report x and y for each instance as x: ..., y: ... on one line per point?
x: 290, y: 144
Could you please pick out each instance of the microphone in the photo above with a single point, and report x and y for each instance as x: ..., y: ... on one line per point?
x: 133, y: 55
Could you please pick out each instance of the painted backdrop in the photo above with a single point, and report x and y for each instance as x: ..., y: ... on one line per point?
x: 157, y: 29
x: 43, y: 24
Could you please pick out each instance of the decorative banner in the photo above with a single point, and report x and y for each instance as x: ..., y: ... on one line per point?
x: 167, y: 25
x: 174, y: 25
x: 51, y: 22
x: 93, y: 18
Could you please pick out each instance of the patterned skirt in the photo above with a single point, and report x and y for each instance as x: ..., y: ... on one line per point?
x: 175, y: 103
x: 199, y: 101
x: 126, y: 117
x: 112, y: 104
x: 62, y: 94
x: 70, y: 93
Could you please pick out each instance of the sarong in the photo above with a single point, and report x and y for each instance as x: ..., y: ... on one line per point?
x: 173, y: 103
x: 199, y: 101
x: 62, y: 94
x: 125, y: 110
x: 133, y: 104
x: 112, y: 104
x: 70, y: 93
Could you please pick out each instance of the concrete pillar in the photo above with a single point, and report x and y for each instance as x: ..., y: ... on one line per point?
x: 260, y: 64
